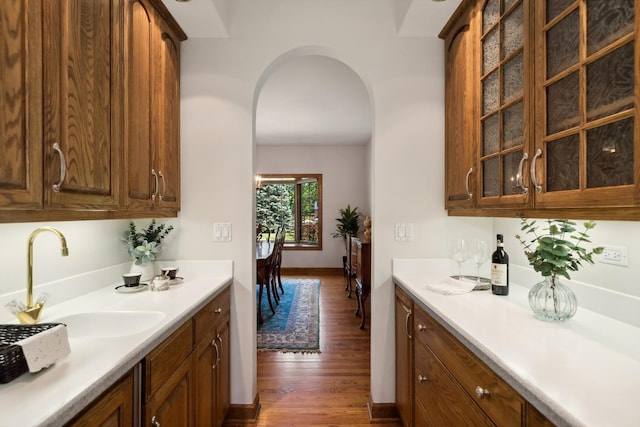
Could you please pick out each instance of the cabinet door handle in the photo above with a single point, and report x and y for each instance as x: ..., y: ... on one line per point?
x: 217, y: 311
x: 406, y: 323
x: 213, y: 343
x: 519, y: 181
x: 422, y: 379
x: 421, y: 327
x: 534, y: 179
x: 466, y: 184
x: 63, y: 167
x: 155, y: 189
x: 155, y: 422
x: 164, y: 185
x: 221, y: 348
x: 481, y: 392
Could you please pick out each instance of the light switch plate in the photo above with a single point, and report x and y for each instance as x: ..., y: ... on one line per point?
x: 404, y: 231
x: 222, y: 232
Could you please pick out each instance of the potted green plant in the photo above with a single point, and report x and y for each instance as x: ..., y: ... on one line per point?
x: 143, y: 247
x: 554, y: 252
x: 347, y: 225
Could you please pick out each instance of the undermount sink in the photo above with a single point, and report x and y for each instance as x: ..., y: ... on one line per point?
x: 109, y: 323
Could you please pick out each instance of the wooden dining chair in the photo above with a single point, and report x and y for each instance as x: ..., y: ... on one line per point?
x: 261, y: 230
x: 264, y: 272
x: 277, y: 280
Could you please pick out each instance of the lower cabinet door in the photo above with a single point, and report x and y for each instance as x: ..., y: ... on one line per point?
x: 113, y: 408
x: 171, y: 405
x: 404, y: 357
x: 223, y: 378
x: 204, y: 362
x: 440, y: 400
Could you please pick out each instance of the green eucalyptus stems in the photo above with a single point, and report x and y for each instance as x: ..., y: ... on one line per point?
x: 144, y: 246
x: 559, y: 249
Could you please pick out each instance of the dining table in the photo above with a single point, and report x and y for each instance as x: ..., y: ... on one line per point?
x: 264, y: 252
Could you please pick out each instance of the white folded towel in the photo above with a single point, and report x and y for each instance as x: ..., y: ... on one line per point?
x: 43, y: 349
x: 448, y: 285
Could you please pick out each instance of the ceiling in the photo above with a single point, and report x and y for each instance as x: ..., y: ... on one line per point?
x: 327, y: 98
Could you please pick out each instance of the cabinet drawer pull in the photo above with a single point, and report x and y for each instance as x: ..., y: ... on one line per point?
x: 534, y: 179
x: 63, y: 168
x: 421, y: 327
x: 422, y: 379
x: 466, y: 184
x: 519, y: 181
x: 481, y: 392
x: 155, y: 189
x: 217, y: 311
x: 164, y: 185
x: 155, y: 422
x: 213, y: 343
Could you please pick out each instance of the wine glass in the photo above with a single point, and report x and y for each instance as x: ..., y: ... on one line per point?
x: 480, y: 252
x: 460, y: 253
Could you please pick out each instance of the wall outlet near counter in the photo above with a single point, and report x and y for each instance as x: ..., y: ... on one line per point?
x: 615, y: 255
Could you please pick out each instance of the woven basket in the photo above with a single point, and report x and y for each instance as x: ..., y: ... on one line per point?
x: 12, y: 361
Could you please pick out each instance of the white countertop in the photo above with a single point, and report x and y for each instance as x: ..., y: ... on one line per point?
x: 584, y: 371
x: 54, y: 395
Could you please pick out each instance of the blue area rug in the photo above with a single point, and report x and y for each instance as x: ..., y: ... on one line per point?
x: 295, y: 326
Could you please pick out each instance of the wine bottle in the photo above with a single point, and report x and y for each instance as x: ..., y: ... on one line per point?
x: 500, y: 269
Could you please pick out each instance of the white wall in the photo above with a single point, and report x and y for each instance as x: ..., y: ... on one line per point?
x: 624, y: 280
x: 92, y: 245
x: 345, y: 180
x: 221, y: 79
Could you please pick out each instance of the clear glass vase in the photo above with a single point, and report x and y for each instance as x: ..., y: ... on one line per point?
x: 551, y: 300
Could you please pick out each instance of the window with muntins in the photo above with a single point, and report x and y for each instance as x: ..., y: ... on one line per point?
x: 295, y: 201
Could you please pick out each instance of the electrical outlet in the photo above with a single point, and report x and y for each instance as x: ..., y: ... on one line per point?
x: 615, y: 255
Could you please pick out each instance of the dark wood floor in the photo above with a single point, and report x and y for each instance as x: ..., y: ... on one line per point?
x: 330, y: 388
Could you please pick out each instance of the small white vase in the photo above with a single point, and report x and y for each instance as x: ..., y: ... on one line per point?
x: 147, y: 270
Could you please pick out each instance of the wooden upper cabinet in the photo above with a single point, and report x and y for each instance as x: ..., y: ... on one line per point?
x: 89, y: 109
x: 152, y: 110
x: 587, y: 80
x: 139, y: 24
x: 166, y: 117
x: 82, y: 103
x: 20, y: 92
x: 556, y: 115
x: 460, y: 170
x: 504, y: 103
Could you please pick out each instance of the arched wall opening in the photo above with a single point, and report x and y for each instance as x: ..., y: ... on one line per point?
x: 319, y: 53
x: 313, y: 113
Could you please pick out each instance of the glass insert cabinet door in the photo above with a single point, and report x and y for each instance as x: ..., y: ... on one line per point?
x: 504, y: 90
x: 586, y: 109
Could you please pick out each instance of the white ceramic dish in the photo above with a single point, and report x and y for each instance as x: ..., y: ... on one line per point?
x: 132, y: 289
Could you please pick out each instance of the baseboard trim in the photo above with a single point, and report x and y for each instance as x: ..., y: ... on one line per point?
x: 243, y: 414
x: 305, y: 271
x: 382, y: 413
